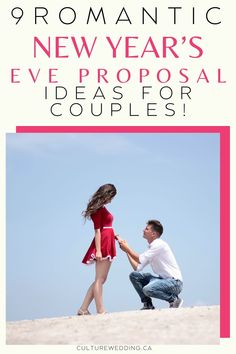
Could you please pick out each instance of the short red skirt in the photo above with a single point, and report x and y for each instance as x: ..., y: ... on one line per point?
x: 108, y: 247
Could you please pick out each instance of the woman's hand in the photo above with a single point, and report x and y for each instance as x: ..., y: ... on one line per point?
x: 98, y: 255
x: 117, y: 237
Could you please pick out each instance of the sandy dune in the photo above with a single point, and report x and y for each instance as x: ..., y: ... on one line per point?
x: 196, y: 325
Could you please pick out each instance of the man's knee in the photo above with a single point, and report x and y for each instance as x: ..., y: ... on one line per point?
x: 151, y: 291
x: 134, y: 275
x: 147, y: 291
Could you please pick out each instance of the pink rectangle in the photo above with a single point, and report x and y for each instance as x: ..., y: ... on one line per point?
x: 224, y: 132
x: 119, y: 129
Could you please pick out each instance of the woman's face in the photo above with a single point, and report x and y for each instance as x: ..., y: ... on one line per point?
x: 109, y: 201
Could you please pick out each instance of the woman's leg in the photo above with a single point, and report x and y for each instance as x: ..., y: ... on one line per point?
x: 102, y: 269
x: 88, y: 299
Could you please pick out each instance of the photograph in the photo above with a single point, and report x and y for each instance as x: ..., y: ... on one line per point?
x: 113, y: 238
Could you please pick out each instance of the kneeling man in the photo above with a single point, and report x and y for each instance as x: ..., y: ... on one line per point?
x: 167, y: 282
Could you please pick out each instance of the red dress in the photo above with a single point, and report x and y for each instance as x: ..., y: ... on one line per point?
x: 102, y: 220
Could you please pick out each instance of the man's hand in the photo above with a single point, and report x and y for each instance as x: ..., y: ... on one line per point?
x: 132, y: 256
x: 124, y: 245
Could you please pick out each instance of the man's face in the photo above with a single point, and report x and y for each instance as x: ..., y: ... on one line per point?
x: 148, y: 233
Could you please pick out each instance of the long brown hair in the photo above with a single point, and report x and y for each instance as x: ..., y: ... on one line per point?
x: 102, y: 196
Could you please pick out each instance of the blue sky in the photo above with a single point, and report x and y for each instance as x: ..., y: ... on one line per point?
x: 50, y: 177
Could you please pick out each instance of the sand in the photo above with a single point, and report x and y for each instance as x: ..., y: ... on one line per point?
x: 195, y: 325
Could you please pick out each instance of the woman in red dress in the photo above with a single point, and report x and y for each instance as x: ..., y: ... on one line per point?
x: 102, y: 249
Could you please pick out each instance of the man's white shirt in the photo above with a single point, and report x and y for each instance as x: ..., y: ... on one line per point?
x: 161, y: 259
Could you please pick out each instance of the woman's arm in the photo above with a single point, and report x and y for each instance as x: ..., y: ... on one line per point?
x: 98, y: 244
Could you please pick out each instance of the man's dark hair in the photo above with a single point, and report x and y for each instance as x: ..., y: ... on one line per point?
x: 156, y: 226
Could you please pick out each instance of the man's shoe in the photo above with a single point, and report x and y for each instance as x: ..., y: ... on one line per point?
x: 147, y: 306
x: 176, y: 303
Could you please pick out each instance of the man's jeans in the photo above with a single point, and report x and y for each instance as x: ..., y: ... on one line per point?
x: 148, y: 285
